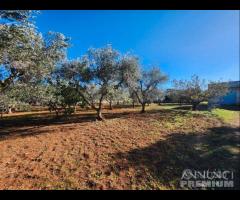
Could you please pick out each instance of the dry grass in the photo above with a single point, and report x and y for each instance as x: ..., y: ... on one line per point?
x: 127, y: 151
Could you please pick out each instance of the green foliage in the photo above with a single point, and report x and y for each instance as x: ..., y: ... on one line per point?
x: 63, y: 96
x: 34, y: 94
x: 4, y: 103
x: 25, y: 55
x: 195, y: 90
x: 70, y: 96
x: 22, y: 107
x: 118, y: 95
x: 68, y: 111
x: 97, y: 76
x: 17, y: 15
x: 7, y: 102
x: 145, y: 87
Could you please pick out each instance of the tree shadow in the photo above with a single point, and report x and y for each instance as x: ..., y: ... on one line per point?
x: 187, y: 107
x: 23, y: 126
x: 166, y: 159
x: 29, y: 125
x: 201, y: 107
x: 230, y: 107
x: 204, y: 107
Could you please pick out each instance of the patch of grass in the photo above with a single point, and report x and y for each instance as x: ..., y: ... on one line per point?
x: 169, y: 105
x: 153, y: 106
x: 226, y: 115
x: 204, y: 103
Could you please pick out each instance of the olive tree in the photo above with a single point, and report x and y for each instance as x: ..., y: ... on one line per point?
x: 143, y: 86
x: 119, y: 95
x: 100, y: 67
x: 176, y: 96
x: 9, y: 104
x: 4, y: 104
x: 21, y: 16
x: 155, y: 96
x: 133, y: 97
x: 25, y: 54
x: 196, y: 91
x: 62, y: 97
x: 148, y: 86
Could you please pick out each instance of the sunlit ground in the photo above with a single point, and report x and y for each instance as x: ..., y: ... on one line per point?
x: 128, y: 150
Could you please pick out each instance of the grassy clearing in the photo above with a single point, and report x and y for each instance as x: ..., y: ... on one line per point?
x: 227, y: 116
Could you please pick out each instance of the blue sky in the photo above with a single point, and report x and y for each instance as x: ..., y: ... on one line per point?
x: 182, y: 43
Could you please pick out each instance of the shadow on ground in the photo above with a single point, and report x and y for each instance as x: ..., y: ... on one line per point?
x: 23, y: 126
x: 231, y: 107
x: 166, y: 159
x: 201, y: 107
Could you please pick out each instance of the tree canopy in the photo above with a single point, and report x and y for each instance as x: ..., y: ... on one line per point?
x: 196, y: 90
x: 145, y: 85
x: 25, y: 54
x: 96, y: 75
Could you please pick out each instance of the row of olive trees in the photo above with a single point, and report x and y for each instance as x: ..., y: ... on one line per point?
x: 102, y: 73
x: 34, y: 69
x: 27, y: 58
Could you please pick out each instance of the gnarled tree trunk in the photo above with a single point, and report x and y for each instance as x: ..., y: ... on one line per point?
x: 99, y: 115
x: 99, y: 110
x: 143, y: 108
x: 133, y: 104
x: 9, y: 110
x: 110, y: 105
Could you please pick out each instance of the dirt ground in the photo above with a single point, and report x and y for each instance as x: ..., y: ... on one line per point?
x: 126, y: 151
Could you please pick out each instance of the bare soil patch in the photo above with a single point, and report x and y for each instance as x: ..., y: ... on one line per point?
x: 127, y: 151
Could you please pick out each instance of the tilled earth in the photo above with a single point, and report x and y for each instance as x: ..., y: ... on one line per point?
x: 126, y: 151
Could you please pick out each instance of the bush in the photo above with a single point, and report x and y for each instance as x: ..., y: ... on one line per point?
x: 23, y: 107
x: 68, y: 111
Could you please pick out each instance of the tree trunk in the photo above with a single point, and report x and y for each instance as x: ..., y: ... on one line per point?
x: 99, y: 115
x: 9, y: 110
x: 56, y: 113
x: 99, y: 110
x: 92, y: 105
x: 75, y: 108
x: 194, y: 106
x: 133, y: 104
x: 143, y: 108
x: 110, y: 105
